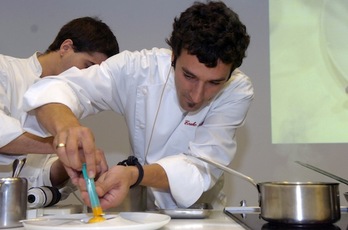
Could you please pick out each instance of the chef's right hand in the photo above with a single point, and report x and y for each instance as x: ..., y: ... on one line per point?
x: 75, y: 146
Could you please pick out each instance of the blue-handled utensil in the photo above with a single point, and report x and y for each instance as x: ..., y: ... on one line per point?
x: 93, y: 197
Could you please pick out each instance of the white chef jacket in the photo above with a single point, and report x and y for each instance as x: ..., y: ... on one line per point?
x: 16, y: 76
x: 134, y: 84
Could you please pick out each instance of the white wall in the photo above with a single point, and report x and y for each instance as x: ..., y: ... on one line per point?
x: 30, y: 25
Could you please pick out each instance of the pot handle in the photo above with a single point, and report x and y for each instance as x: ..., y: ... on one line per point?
x: 344, y: 181
x: 226, y: 169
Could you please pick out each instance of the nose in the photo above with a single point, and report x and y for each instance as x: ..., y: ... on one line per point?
x: 197, y: 93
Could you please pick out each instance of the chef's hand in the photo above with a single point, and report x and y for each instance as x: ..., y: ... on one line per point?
x: 112, y: 187
x: 70, y: 139
x: 74, y: 146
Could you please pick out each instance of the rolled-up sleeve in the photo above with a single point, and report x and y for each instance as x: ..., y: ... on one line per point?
x: 52, y: 92
x: 10, y: 127
x: 178, y: 169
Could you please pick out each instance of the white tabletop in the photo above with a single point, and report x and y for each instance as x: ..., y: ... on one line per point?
x: 216, y: 221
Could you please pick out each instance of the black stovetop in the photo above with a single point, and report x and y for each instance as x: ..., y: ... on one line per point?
x: 253, y: 221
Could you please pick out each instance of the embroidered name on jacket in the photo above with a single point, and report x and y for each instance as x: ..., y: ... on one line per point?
x: 192, y: 123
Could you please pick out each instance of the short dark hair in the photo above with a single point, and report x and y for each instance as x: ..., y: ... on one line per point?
x: 89, y: 34
x: 212, y: 32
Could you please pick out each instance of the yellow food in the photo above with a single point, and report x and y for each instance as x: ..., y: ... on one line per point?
x: 97, y: 215
x: 97, y: 211
x: 96, y: 219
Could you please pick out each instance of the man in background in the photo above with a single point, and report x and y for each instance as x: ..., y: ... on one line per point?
x: 82, y: 42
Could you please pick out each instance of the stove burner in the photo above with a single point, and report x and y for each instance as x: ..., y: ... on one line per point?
x: 268, y: 226
x: 253, y: 221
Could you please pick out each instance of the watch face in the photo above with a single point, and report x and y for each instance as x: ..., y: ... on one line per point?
x: 334, y: 25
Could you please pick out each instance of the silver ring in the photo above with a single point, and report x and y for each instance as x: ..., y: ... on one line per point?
x: 60, y: 145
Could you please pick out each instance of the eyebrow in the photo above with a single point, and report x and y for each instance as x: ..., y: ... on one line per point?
x: 192, y: 74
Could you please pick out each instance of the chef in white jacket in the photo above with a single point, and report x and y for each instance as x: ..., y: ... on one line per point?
x: 190, y: 99
x: 70, y: 48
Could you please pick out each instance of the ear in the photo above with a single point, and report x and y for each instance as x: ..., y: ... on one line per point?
x: 173, y: 61
x: 66, y: 46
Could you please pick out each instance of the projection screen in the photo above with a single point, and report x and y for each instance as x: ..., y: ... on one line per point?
x: 309, y: 71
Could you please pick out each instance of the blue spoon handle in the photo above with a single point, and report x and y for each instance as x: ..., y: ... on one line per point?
x: 90, y: 188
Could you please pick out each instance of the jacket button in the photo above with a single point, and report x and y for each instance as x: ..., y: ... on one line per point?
x: 144, y: 91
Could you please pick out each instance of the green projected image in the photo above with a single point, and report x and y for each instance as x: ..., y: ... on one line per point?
x: 309, y: 71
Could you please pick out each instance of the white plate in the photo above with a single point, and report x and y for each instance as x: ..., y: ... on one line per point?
x: 122, y: 221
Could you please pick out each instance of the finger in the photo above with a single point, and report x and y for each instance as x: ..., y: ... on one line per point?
x: 77, y: 140
x: 85, y: 198
x: 59, y: 143
x: 102, y: 166
x: 82, y: 184
x: 83, y: 190
x: 66, y: 143
x: 111, y: 188
x: 73, y: 174
x: 114, y: 197
x: 89, y: 151
x: 72, y: 150
x: 109, y: 201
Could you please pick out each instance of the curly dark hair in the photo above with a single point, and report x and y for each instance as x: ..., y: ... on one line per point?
x: 89, y: 34
x: 212, y: 32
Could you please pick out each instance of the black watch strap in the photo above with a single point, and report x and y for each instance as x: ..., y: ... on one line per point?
x: 133, y: 161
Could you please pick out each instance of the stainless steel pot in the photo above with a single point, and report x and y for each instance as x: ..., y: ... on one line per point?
x: 300, y: 202
x: 340, y: 179
x: 293, y: 202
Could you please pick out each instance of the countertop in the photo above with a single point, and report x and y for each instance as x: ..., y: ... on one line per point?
x: 217, y: 220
